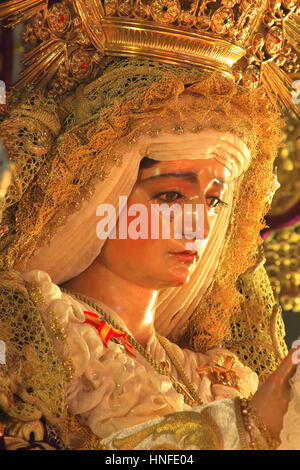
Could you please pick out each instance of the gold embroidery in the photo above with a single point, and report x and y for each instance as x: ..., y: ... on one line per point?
x: 35, y: 293
x: 130, y: 442
x: 198, y: 429
x: 189, y: 428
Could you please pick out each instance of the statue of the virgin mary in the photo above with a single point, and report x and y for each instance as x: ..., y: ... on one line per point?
x: 116, y: 338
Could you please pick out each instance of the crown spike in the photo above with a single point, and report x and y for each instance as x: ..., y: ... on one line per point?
x: 14, y: 12
x: 292, y: 29
x: 279, y: 83
x: 41, y: 63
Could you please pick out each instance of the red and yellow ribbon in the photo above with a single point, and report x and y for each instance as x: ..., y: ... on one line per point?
x: 106, y: 331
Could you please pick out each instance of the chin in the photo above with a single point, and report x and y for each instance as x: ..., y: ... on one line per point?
x: 169, y: 279
x: 179, y: 281
x: 179, y: 284
x: 179, y: 276
x: 167, y: 283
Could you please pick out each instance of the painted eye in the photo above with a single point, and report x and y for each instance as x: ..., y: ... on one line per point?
x: 169, y: 196
x: 213, y: 201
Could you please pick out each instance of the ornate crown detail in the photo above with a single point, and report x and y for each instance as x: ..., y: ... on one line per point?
x: 253, y: 41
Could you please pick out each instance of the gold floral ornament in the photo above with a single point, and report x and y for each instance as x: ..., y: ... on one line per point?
x: 58, y: 48
x: 256, y: 43
x: 251, y: 77
x: 81, y: 64
x: 274, y: 40
x: 165, y: 11
x: 222, y: 20
x: 59, y: 18
x: 221, y: 371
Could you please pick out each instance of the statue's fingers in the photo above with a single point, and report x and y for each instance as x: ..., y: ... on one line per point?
x: 287, y: 367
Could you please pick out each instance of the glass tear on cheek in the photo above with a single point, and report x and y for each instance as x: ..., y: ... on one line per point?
x: 192, y: 246
x: 196, y: 245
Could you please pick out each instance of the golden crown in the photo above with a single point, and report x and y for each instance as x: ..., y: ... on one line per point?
x: 255, y: 42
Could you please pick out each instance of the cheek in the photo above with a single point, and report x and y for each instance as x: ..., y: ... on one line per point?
x: 135, y: 248
x: 130, y: 250
x: 134, y: 253
x: 134, y: 226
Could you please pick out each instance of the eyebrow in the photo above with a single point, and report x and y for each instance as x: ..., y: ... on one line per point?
x: 191, y: 176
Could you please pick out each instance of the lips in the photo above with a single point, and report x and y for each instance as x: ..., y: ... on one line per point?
x: 187, y: 255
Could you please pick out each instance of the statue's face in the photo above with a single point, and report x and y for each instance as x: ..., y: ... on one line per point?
x: 159, y: 263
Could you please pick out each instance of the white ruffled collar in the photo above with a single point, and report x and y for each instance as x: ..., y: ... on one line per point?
x: 111, y: 314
